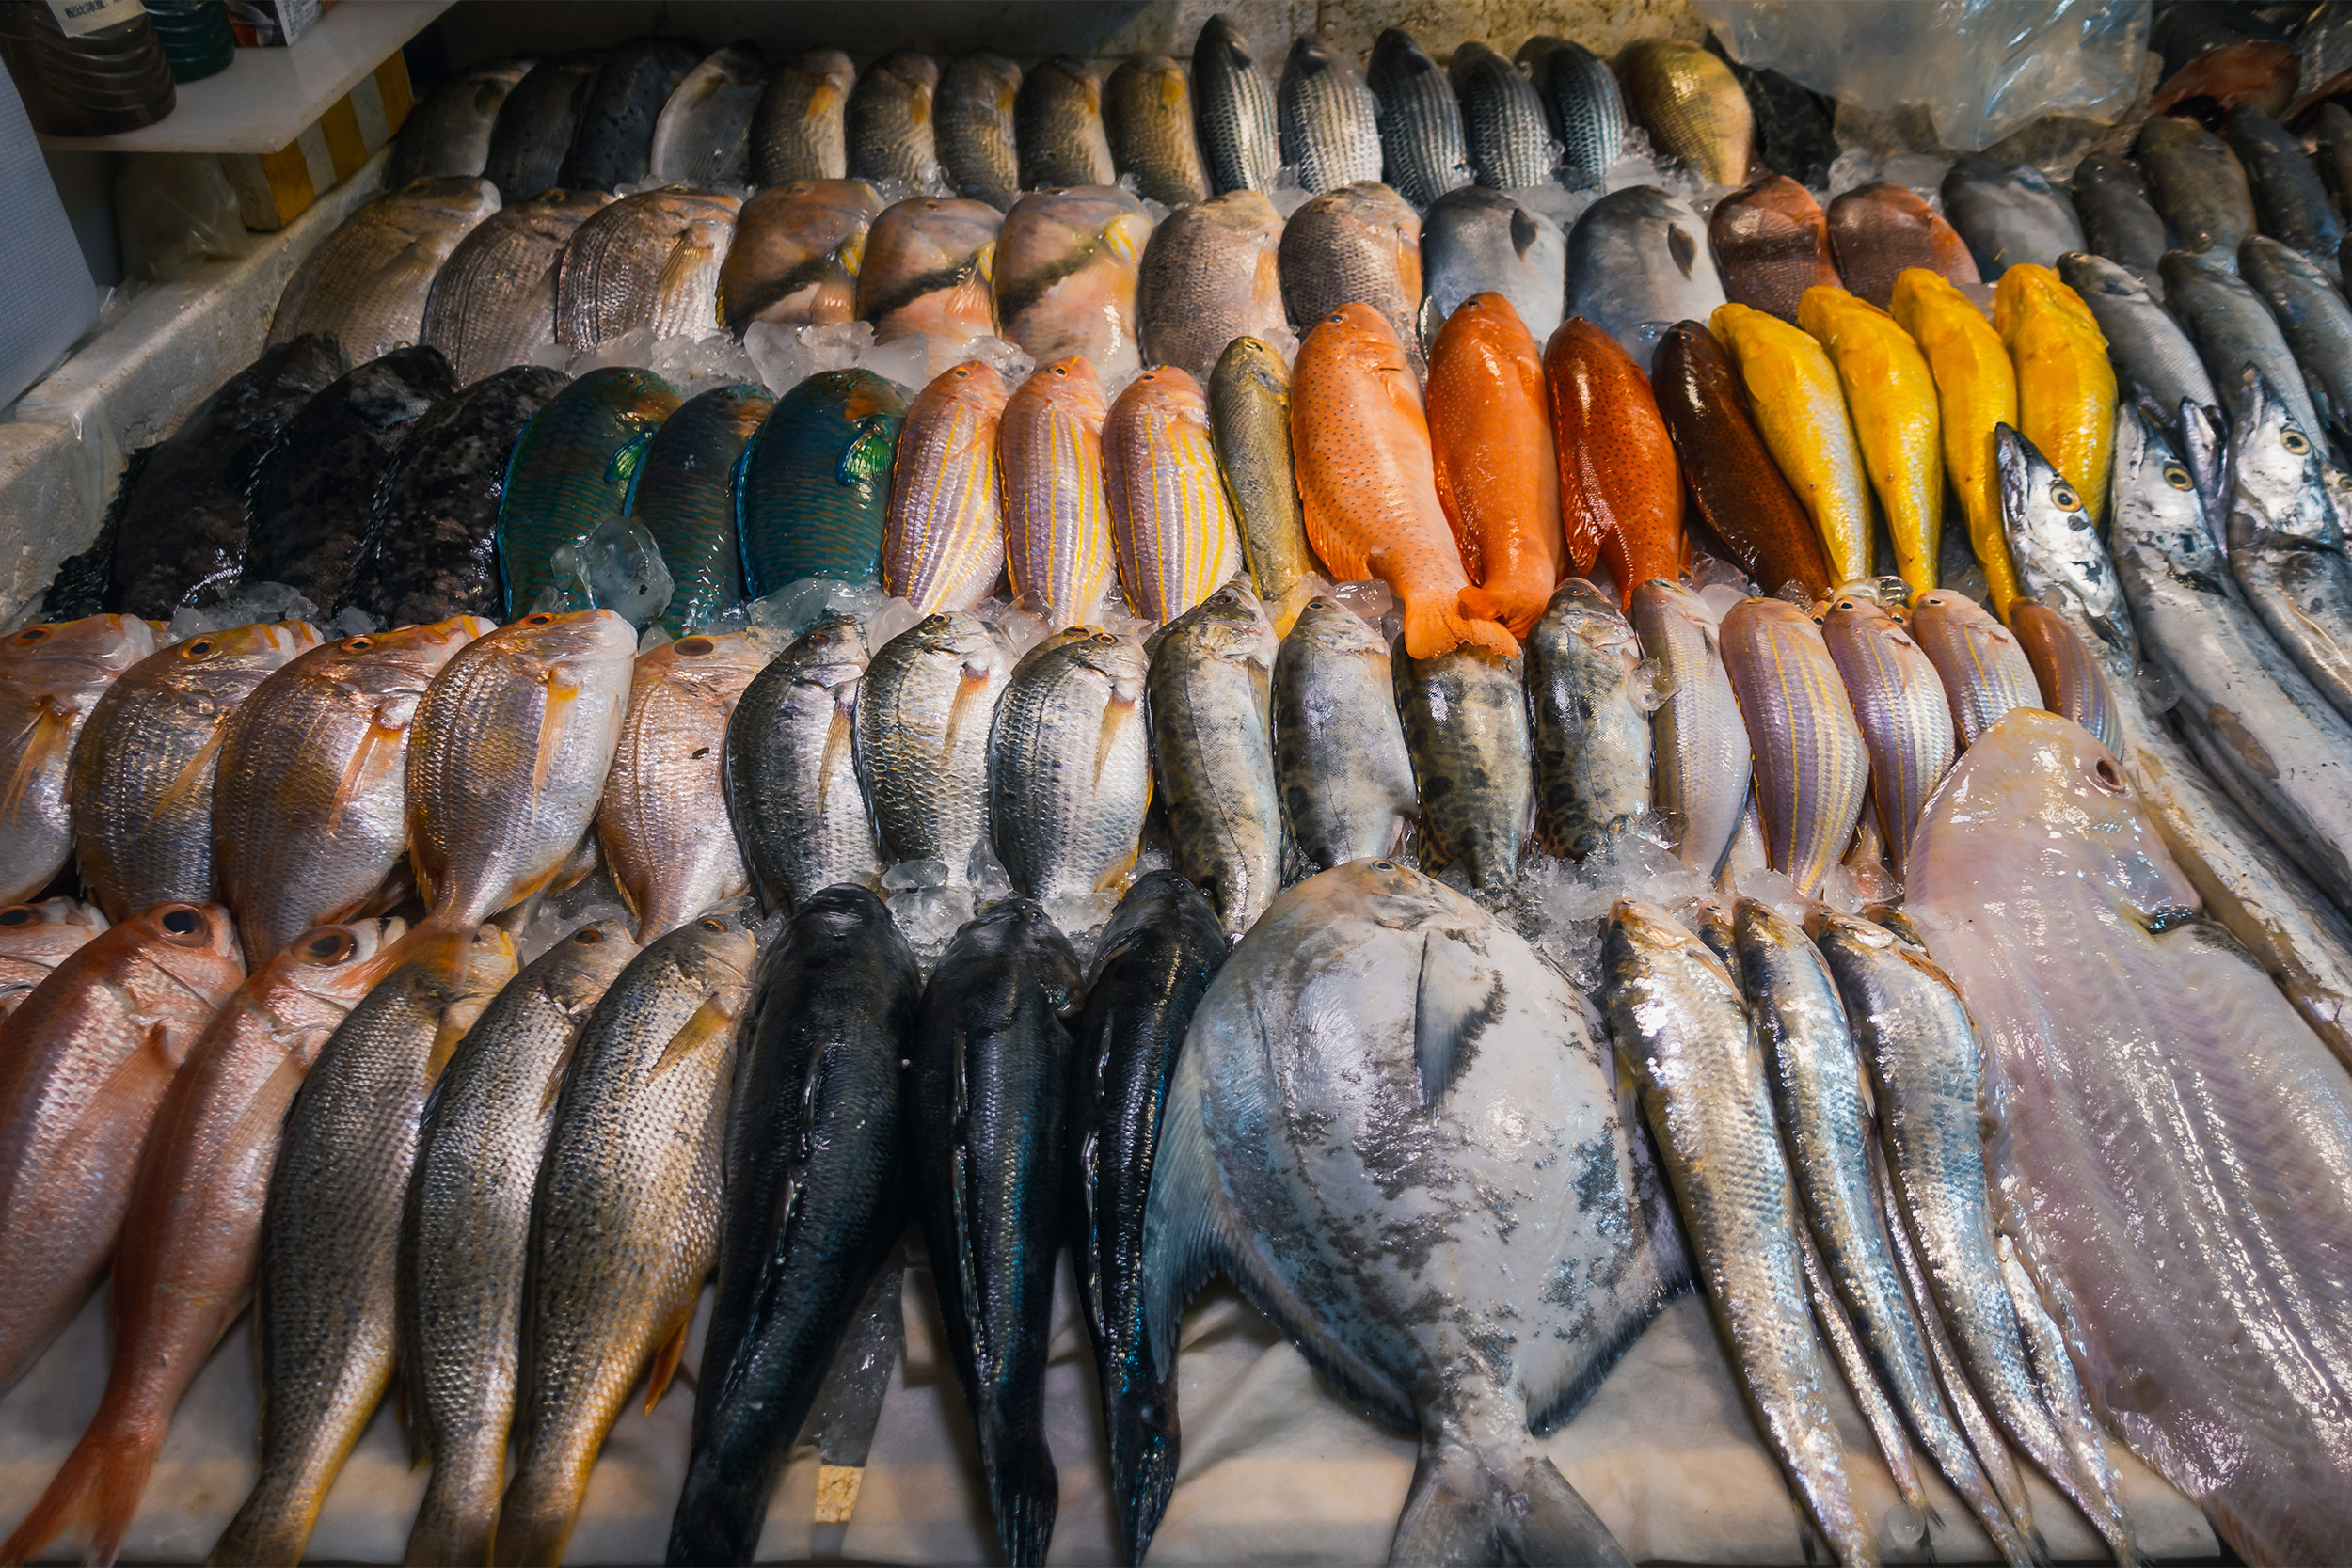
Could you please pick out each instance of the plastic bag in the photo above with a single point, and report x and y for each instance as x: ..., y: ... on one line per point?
x: 1981, y: 68
x: 173, y: 210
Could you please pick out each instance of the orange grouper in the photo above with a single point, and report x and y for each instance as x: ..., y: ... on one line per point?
x: 1620, y: 488
x: 1491, y: 430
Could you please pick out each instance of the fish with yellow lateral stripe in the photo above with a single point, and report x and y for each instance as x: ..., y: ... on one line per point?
x: 944, y: 538
x: 1057, y: 528
x: 1172, y: 522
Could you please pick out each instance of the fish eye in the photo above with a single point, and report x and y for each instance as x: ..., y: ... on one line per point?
x: 694, y: 647
x: 2107, y: 775
x: 203, y: 647
x: 2176, y: 476
x: 2294, y: 441
x: 539, y: 620
x: 182, y: 922
x: 31, y: 635
x: 714, y: 925
x: 1845, y: 604
x: 328, y: 946
x: 587, y: 936
x: 17, y: 916
x: 359, y: 645
x: 1061, y: 370
x: 1384, y: 866
x: 1105, y: 639
x: 2063, y: 495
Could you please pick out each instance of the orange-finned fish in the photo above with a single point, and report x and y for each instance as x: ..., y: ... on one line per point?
x: 944, y: 537
x: 1172, y: 524
x: 1058, y: 526
x: 51, y: 677
x: 1620, y: 488
x: 1490, y: 434
x: 1360, y: 444
x: 2065, y: 382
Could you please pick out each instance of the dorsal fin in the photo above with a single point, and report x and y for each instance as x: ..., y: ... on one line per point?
x: 1456, y: 998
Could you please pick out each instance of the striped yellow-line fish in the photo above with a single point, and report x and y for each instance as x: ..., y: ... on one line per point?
x: 1172, y: 521
x: 1057, y: 528
x: 943, y: 539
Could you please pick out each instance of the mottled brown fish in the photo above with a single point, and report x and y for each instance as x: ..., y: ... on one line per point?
x: 1771, y: 241
x: 799, y: 130
x: 1057, y: 121
x: 1148, y: 117
x: 1358, y: 244
x: 1210, y: 275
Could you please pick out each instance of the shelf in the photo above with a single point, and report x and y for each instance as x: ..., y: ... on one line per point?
x: 268, y: 97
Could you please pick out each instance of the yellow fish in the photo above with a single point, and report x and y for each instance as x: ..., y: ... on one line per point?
x: 1891, y: 397
x: 2065, y: 385
x: 1976, y: 389
x: 943, y: 535
x: 1801, y: 410
x: 1172, y: 523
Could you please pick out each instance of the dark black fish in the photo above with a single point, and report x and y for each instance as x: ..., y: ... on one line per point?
x: 613, y: 146
x: 2290, y: 198
x: 985, y: 1147
x: 2193, y: 28
x: 2119, y: 221
x: 536, y: 124
x: 1158, y: 953
x: 180, y: 520
x: 816, y: 1201
x: 1792, y: 122
x: 316, y: 502
x: 433, y: 550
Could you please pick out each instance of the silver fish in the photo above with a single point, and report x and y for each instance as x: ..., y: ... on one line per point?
x: 925, y: 707
x: 1465, y: 717
x: 1069, y: 767
x: 493, y: 302
x: 1589, y: 699
x: 1339, y: 746
x: 2286, y: 546
x: 792, y: 768
x: 1211, y: 705
x: 1330, y: 121
x: 1510, y: 141
x: 1703, y: 754
x: 2007, y: 213
x: 1476, y: 240
x: 1811, y: 767
x: 2312, y: 316
x: 703, y: 134
x: 2153, y: 359
x: 1424, y: 151
x: 1638, y: 262
x: 1898, y: 705
x: 1233, y: 108
x: 1581, y: 101
x: 2234, y: 329
x: 650, y: 259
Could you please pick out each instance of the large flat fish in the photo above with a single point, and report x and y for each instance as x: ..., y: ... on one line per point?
x: 366, y: 283
x: 1474, y: 241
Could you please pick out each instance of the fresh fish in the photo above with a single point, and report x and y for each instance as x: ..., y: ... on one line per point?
x: 1734, y: 486
x: 1693, y: 107
x: 315, y: 504
x: 1638, y: 262
x: 1159, y: 952
x: 180, y: 520
x: 1147, y: 114
x: 801, y: 130
x: 2072, y: 683
x: 1211, y: 700
x: 1915, y: 1034
x: 2313, y: 319
x: 2008, y: 213
x: 1371, y: 1017
x: 507, y: 758
x: 533, y: 136
x: 2206, y: 447
x: 2119, y: 224
x: 1812, y: 771
x: 1068, y: 767
x: 1066, y: 271
x: 570, y: 470
x: 52, y: 676
x: 2332, y: 126
x: 814, y: 1203
x: 1771, y: 243
x: 1891, y: 398
x: 1590, y: 703
x: 1882, y: 229
x: 141, y: 779
x: 930, y: 268
x: 1824, y: 1103
x: 1510, y: 139
x: 2286, y: 546
x: 683, y: 491
x: 925, y: 707
x: 1171, y: 522
x: 1474, y: 241
x: 1985, y: 673
x: 985, y: 1084
x: 366, y: 283
x: 309, y: 792
x: 892, y: 134
x: 1328, y: 117
x: 1250, y: 423
x: 449, y: 133
x: 1800, y: 408
x: 1209, y: 276
x: 2233, y: 332
x: 1058, y: 121
x: 1361, y: 244
x: 977, y: 150
x: 35, y: 939
x: 1498, y: 479
x: 1620, y: 488
x: 84, y: 1061
x: 1703, y: 756
x: 2198, y: 186
x: 466, y: 1230
x: 702, y: 136
x: 492, y: 304
x: 2155, y: 363
x: 943, y: 541
x: 2066, y: 388
x: 795, y: 254
x: 815, y: 485
x: 1581, y: 103
x: 1898, y: 705
x: 613, y: 146
x: 1058, y: 526
x: 627, y: 1217
x: 1424, y: 147
x: 1794, y: 135
x: 1340, y: 754
x: 191, y: 1232
x: 2290, y: 199
x: 650, y: 259
x: 1359, y: 442
x: 323, y: 1302
x: 1465, y: 728
x: 1235, y: 110
x: 790, y: 762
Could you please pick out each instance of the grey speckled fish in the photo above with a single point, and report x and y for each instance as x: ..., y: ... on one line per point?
x: 801, y: 131
x: 792, y: 769
x: 1424, y: 151
x: 1233, y: 108
x: 1339, y: 746
x: 1898, y: 705
x: 367, y: 281
x: 1147, y: 114
x: 1465, y: 728
x: 2119, y: 221
x: 2312, y: 317
x: 702, y: 136
x: 1589, y: 699
x: 2009, y: 214
x: 1058, y: 120
x: 1510, y: 141
x: 978, y: 148
x: 1811, y: 769
x: 1210, y: 697
x: 2198, y: 184
x: 650, y: 259
x: 891, y: 129
x: 2153, y: 359
x: 2286, y: 545
x: 1476, y: 240
x: 2234, y: 329
x: 1701, y: 742
x: 925, y: 707
x: 2290, y: 199
x: 492, y: 303
x: 1638, y: 262
x: 1371, y: 1020
x: 1069, y: 767
x: 1583, y: 105
x: 613, y: 146
x: 535, y: 125
x: 1361, y: 243
x: 449, y: 133
x: 1329, y: 121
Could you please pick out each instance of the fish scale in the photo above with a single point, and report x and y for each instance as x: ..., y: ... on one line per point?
x: 683, y: 491
x: 1235, y: 110
x: 1510, y: 142
x: 50, y: 677
x: 647, y: 261
x: 1328, y: 117
x: 1212, y: 751
x: 1339, y: 746
x: 492, y: 303
x: 1704, y: 756
x: 1589, y: 730
x: 891, y: 128
x: 1069, y: 767
x: 1250, y: 423
x: 367, y: 280
x: 812, y: 495
x: 925, y: 707
x: 1465, y: 715
x: 1424, y: 151
x: 1734, y: 484
x: 536, y: 124
x: 1210, y: 275
x: 1172, y: 517
x: 1058, y: 123
x: 944, y: 540
x: 1581, y: 103
x: 35, y: 939
x: 795, y: 253
x: 571, y: 470
x: 1147, y: 114
x: 792, y: 769
x: 976, y: 141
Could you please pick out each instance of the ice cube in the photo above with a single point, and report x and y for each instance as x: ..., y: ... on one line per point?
x: 915, y: 873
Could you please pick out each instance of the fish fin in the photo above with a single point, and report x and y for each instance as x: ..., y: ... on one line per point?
x: 1186, y: 1232
x: 562, y: 690
x: 1559, y: 1524
x: 1455, y: 999
x: 1517, y: 613
x: 382, y: 754
x: 46, y: 739
x: 1466, y: 1505
x: 1433, y: 625
x: 100, y: 1483
x: 1024, y: 1494
x: 666, y: 1359
x: 713, y: 1024
x: 1681, y: 247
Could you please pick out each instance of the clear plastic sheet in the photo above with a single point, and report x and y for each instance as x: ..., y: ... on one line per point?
x: 173, y: 210
x: 1982, y: 68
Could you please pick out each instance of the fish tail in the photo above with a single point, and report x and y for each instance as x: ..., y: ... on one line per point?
x: 270, y: 1528
x: 723, y: 1506
x: 1435, y: 626
x: 100, y: 1483
x: 536, y: 1519
x: 1517, y: 608
x: 460, y: 1515
x: 1465, y: 1507
x: 1024, y: 1494
x: 1141, y: 1422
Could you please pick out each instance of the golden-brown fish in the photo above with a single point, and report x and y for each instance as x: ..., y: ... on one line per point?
x: 649, y: 260
x: 1691, y: 104
x: 1172, y: 521
x: 795, y: 256
x: 1147, y: 112
x: 944, y: 537
x: 930, y: 272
